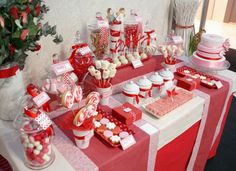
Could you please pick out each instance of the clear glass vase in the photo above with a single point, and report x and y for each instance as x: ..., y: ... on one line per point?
x: 36, y: 143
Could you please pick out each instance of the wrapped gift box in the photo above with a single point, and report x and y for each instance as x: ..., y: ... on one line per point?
x: 127, y: 113
x: 188, y: 83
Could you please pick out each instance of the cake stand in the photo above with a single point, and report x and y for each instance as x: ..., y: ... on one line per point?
x: 225, y: 66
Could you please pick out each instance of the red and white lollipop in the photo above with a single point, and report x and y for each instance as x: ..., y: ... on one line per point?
x: 77, y: 93
x: 67, y: 99
x: 80, y: 117
x: 93, y: 98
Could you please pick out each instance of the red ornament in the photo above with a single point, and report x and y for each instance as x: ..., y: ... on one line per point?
x: 37, y: 47
x: 37, y: 10
x: 14, y: 12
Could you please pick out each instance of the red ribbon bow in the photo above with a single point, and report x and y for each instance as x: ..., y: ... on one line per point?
x: 132, y: 95
x: 149, y: 91
x: 34, y: 91
x: 171, y: 93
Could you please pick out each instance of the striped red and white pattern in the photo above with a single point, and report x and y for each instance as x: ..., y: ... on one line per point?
x: 4, y: 165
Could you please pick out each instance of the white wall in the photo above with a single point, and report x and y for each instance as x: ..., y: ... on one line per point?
x: 72, y: 15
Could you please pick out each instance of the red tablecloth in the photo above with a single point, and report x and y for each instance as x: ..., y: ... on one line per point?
x: 115, y: 159
x: 217, y: 101
x: 175, y: 155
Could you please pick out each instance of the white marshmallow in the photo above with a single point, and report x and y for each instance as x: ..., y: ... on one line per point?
x: 30, y: 145
x: 39, y: 147
x: 46, y: 157
x: 36, y: 152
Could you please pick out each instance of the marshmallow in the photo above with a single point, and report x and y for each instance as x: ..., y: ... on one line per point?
x: 113, y: 73
x: 106, y: 74
x: 105, y: 64
x: 36, y: 152
x: 97, y: 75
x: 30, y: 145
x: 98, y: 64
x: 39, y: 147
x: 91, y: 70
x: 118, y: 63
x: 112, y: 66
x: 46, y: 157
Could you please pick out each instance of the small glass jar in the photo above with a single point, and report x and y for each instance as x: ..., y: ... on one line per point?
x: 36, y: 143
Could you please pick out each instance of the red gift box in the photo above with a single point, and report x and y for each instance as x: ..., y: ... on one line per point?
x: 127, y: 113
x: 188, y: 83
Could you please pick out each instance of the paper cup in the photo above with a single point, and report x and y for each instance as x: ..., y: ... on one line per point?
x: 105, y: 94
x: 83, y: 144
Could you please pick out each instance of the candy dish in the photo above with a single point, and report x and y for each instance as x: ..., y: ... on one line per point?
x: 112, y: 134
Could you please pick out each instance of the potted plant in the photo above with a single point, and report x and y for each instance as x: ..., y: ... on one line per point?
x: 20, y: 30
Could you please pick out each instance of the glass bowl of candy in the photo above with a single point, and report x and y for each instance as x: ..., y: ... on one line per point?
x: 36, y: 143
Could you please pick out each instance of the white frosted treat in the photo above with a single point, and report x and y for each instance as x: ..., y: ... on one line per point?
x: 98, y: 64
x: 143, y: 55
x: 110, y: 125
x: 105, y: 74
x: 112, y: 66
x: 113, y: 73
x: 115, y: 139
x: 97, y: 124
x: 36, y: 152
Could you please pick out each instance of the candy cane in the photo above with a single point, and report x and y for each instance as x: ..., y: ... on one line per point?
x: 77, y: 93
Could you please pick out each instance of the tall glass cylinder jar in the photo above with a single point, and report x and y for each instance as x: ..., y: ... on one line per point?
x: 36, y: 143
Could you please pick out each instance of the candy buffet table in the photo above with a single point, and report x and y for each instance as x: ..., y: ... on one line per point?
x: 186, y: 137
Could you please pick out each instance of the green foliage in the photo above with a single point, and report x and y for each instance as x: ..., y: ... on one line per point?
x: 14, y: 42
